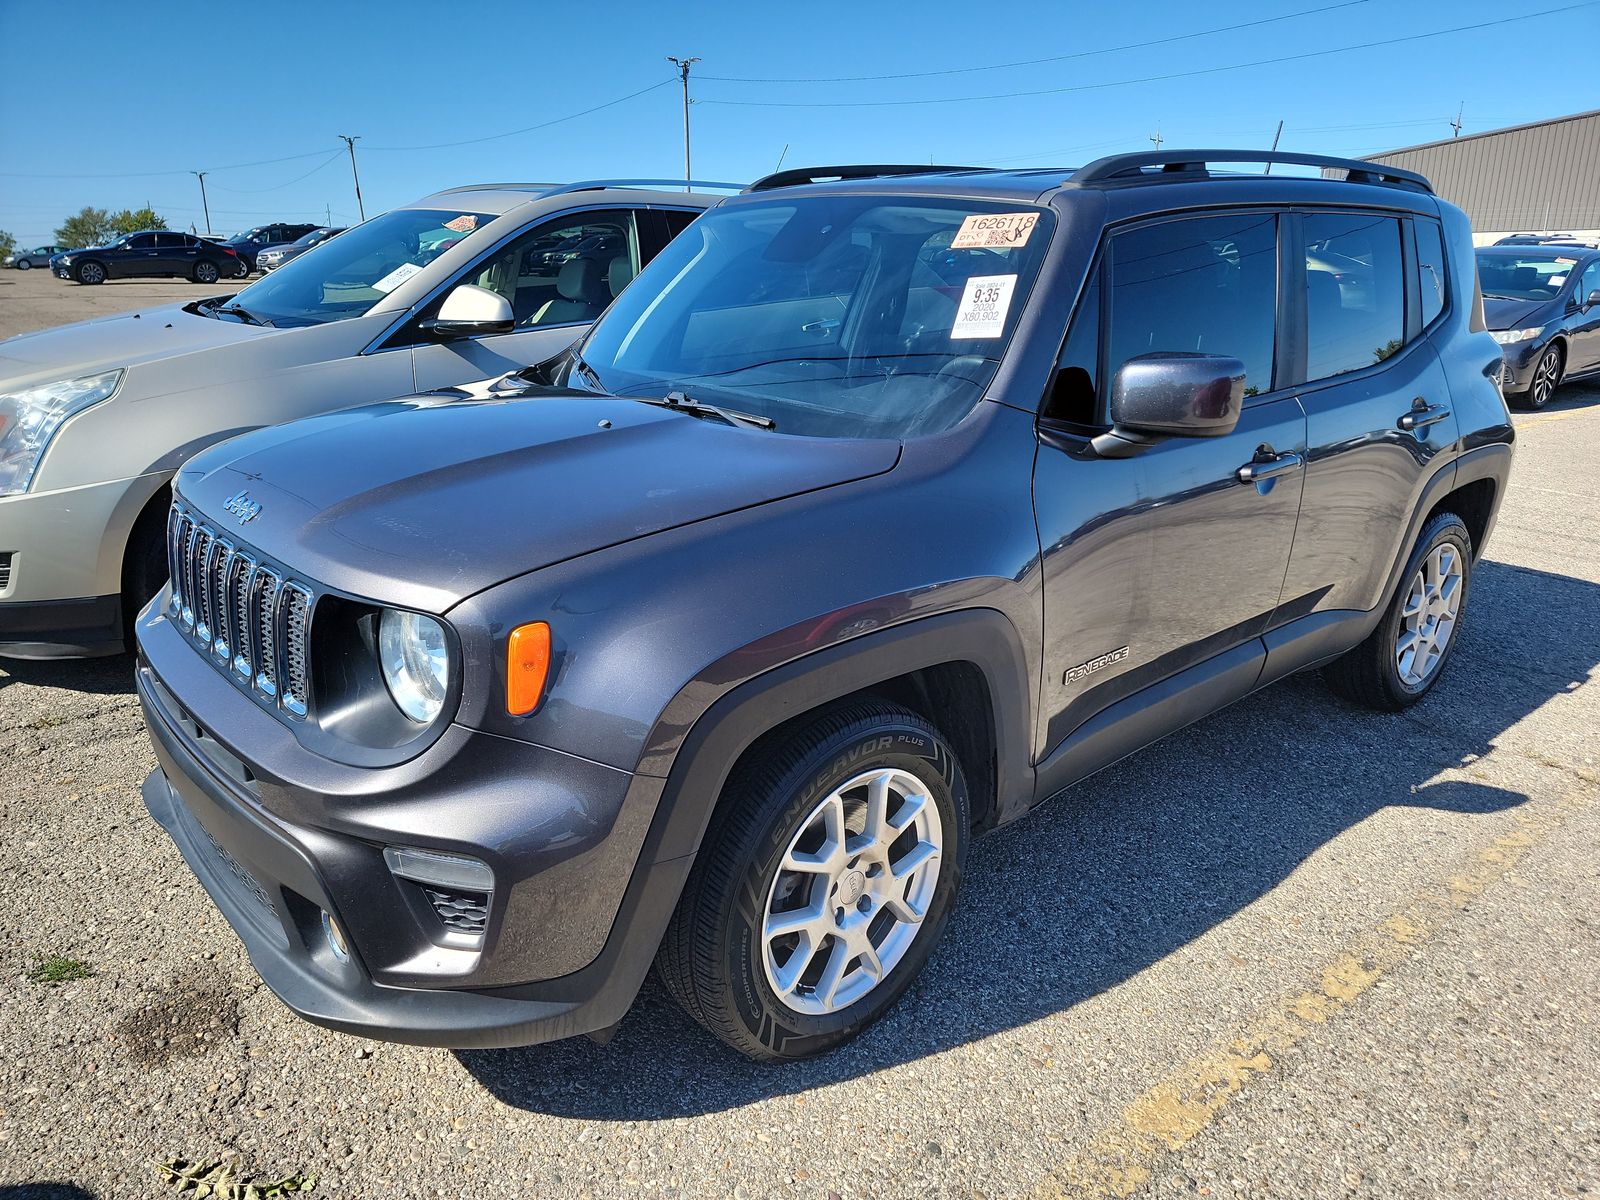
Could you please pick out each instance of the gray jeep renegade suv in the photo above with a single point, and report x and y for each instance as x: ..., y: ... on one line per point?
x: 876, y: 512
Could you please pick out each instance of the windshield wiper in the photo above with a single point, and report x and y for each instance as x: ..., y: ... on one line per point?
x: 590, y: 375
x: 235, y: 310
x: 698, y: 408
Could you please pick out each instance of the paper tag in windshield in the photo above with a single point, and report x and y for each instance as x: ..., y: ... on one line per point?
x: 1571, y: 262
x: 396, y: 277
x: 994, y: 231
x: 983, y: 307
x: 462, y: 224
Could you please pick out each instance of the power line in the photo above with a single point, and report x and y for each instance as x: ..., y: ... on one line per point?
x: 321, y: 166
x: 531, y: 128
x: 1034, y: 62
x: 1090, y: 87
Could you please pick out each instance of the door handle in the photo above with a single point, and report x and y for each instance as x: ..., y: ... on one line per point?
x: 1270, y: 468
x: 1424, y: 414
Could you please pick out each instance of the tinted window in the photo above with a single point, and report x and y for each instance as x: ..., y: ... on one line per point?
x: 1590, y: 282
x: 1430, y: 268
x: 678, y: 220
x: 167, y: 241
x: 1207, y: 285
x: 1355, y: 292
x: 1072, y: 398
x: 144, y: 241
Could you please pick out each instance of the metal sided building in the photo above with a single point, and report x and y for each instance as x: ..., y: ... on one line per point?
x: 1541, y: 177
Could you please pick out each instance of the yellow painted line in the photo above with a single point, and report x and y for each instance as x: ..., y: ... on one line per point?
x: 1546, y: 418
x: 1120, y: 1159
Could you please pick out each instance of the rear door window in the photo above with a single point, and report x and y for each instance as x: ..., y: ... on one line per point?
x: 1206, y: 285
x: 1355, y: 292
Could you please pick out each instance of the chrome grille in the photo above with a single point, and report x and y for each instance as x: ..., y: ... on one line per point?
x: 248, y: 617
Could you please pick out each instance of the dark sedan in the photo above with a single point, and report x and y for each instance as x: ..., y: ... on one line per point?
x: 252, y: 242
x: 154, y: 252
x: 1542, y: 304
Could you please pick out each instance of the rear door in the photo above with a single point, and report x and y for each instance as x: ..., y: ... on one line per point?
x: 1377, y: 402
x: 1167, y: 562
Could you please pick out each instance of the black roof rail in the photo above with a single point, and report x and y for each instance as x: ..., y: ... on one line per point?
x: 797, y: 176
x: 1118, y: 167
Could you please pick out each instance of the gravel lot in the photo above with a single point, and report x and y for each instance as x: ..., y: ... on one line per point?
x: 1295, y: 950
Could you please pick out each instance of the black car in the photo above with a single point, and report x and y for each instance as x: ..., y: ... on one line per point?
x: 1544, y: 239
x: 252, y: 241
x: 155, y: 252
x: 714, y: 640
x: 269, y: 258
x: 1542, y: 304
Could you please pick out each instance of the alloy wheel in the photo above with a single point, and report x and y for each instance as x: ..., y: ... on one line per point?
x: 851, y: 891
x: 92, y: 273
x: 1428, y: 619
x: 1545, y: 377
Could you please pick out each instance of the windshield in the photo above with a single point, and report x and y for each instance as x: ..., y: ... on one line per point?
x: 352, y: 272
x: 836, y: 316
x: 1531, y: 276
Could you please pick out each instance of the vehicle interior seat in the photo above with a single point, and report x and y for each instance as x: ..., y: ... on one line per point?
x: 581, y: 294
x: 619, y: 274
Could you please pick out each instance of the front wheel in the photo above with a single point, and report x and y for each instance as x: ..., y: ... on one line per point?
x: 823, y: 884
x: 91, y: 272
x: 205, y: 271
x: 1404, y: 656
x: 1546, y: 377
x: 24, y: 265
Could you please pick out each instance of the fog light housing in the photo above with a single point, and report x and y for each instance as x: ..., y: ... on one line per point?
x: 457, y: 889
x: 335, y: 936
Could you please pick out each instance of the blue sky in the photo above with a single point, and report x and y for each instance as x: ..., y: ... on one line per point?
x: 140, y: 100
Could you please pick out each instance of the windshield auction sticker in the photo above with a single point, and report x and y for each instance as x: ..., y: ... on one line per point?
x: 983, y: 307
x: 396, y: 277
x: 994, y: 231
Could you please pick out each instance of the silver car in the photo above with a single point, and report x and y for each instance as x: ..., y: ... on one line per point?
x: 96, y: 417
x: 39, y: 256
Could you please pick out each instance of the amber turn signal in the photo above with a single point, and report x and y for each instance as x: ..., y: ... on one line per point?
x: 527, y: 665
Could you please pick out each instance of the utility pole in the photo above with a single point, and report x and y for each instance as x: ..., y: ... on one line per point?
x: 1157, y: 139
x: 1274, y: 149
x: 351, y: 142
x: 201, y: 176
x: 683, y: 65
x: 1456, y: 124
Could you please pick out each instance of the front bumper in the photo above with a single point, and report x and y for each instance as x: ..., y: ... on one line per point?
x: 1518, y: 361
x: 62, y: 594
x: 282, y: 836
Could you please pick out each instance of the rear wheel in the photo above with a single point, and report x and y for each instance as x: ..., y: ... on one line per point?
x: 823, y: 884
x: 1546, y: 377
x: 205, y: 271
x: 90, y: 272
x: 1404, y: 656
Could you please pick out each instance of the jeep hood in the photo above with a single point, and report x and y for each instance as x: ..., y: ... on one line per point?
x: 122, y: 340
x: 433, y: 499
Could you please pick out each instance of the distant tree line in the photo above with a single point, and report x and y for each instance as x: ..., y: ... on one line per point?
x: 92, y: 226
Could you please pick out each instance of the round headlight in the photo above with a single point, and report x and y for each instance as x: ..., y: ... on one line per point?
x: 416, y: 662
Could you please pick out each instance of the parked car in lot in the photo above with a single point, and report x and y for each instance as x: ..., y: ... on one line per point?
x: 153, y: 253
x: 1542, y: 304
x: 713, y: 640
x: 276, y: 256
x: 39, y: 256
x: 1545, y: 239
x: 249, y: 244
x: 95, y: 417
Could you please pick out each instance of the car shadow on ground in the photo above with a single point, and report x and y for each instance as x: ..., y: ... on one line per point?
x: 1128, y: 867
x: 111, y: 676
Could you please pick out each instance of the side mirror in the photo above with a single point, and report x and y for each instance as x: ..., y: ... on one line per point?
x: 1594, y: 299
x: 1177, y: 395
x: 471, y: 311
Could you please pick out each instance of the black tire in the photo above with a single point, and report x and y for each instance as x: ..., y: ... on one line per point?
x: 144, y: 562
x: 1546, y: 377
x: 1370, y: 674
x: 205, y: 271
x: 242, y: 271
x: 90, y: 272
x: 711, y: 959
x: 24, y: 265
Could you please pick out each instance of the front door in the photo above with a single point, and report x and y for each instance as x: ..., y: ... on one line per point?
x: 1168, y: 561
x: 1583, y: 352
x: 559, y: 276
